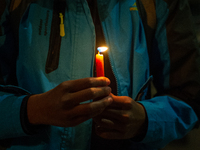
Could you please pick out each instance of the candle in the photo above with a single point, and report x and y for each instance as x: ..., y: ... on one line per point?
x: 100, y: 62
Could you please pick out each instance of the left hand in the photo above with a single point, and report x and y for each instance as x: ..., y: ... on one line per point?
x: 123, y: 119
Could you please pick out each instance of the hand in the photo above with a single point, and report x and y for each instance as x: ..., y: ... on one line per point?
x: 123, y: 119
x: 62, y: 106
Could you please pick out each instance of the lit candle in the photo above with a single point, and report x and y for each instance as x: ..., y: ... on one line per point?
x: 100, y: 62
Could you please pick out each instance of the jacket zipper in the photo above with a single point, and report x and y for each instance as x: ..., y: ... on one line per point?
x: 52, y: 61
x: 100, y: 41
x: 114, y: 75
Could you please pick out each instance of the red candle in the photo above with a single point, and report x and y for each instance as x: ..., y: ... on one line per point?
x: 99, y: 65
x: 100, y: 62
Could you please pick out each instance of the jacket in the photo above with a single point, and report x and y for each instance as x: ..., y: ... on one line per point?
x: 144, y: 38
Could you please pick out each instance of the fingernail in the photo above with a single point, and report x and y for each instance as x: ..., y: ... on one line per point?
x: 110, y: 100
x: 107, y: 81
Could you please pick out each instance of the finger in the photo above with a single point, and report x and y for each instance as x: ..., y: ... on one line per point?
x: 108, y: 134
x: 91, y: 109
x: 122, y: 102
x: 122, y: 116
x: 80, y: 84
x: 85, y: 95
x: 109, y: 124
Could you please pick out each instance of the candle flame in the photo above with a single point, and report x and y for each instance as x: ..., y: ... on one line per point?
x: 102, y: 49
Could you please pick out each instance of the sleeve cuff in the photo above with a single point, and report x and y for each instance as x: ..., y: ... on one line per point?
x: 143, y: 130
x: 168, y: 119
x: 28, y: 128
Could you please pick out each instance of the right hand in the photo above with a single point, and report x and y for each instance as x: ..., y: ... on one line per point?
x: 62, y: 106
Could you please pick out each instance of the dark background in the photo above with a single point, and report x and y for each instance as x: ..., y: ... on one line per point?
x: 192, y: 140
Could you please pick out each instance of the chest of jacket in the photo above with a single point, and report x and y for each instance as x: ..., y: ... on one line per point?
x: 72, y: 56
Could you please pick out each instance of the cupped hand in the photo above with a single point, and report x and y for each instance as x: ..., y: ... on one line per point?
x: 123, y: 119
x: 65, y: 104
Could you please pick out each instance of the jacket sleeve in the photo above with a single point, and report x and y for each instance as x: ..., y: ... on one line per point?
x: 174, y: 57
x: 11, y: 96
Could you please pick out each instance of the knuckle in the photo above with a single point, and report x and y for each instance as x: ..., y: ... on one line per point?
x: 126, y: 118
x: 92, y: 92
x: 89, y: 82
x: 65, y: 99
x: 128, y: 103
x: 64, y: 85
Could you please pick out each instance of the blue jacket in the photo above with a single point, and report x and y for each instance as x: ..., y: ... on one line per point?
x: 28, y: 67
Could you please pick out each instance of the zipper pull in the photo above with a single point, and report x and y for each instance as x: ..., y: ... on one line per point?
x: 62, y: 28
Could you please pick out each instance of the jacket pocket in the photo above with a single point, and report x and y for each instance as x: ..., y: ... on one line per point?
x: 142, y: 89
x: 52, y: 61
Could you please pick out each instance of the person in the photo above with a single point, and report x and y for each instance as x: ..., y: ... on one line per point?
x: 49, y: 91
